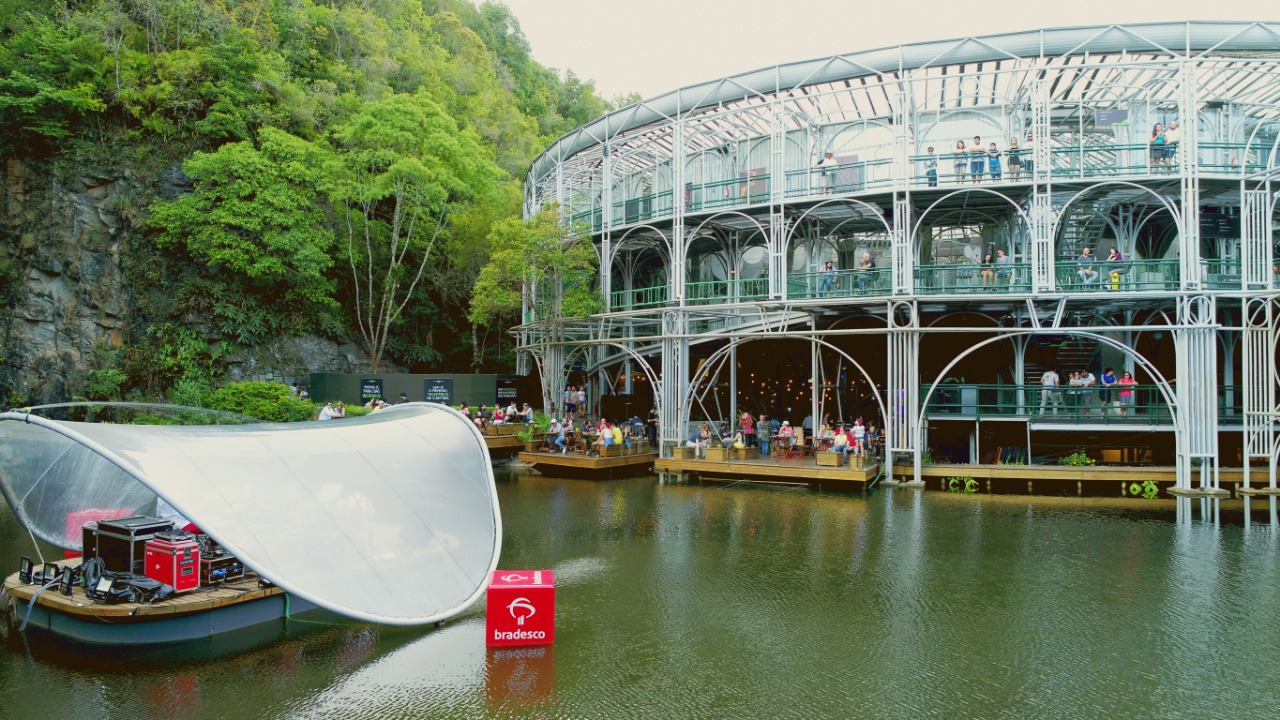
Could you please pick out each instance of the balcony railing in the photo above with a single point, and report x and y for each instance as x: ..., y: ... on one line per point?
x: 1125, y: 276
x: 639, y: 298
x: 1065, y: 404
x: 973, y: 278
x: 1067, y: 162
x: 840, y: 284
x: 707, y: 292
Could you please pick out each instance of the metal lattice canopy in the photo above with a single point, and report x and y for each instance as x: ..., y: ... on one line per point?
x: 1103, y: 66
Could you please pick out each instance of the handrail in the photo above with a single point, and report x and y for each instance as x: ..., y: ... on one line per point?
x: 735, y: 290
x: 1067, y: 162
x: 1065, y: 404
x: 840, y: 283
x: 639, y: 298
x: 973, y: 278
x: 1125, y: 276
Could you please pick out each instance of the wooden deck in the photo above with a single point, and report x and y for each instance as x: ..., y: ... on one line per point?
x: 577, y: 465
x: 80, y: 605
x: 502, y: 444
x: 791, y: 472
x: 1058, y: 479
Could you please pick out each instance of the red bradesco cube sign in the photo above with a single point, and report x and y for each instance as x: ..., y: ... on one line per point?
x: 521, y: 608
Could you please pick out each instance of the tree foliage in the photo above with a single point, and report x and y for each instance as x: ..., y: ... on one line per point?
x: 346, y: 161
x: 535, y: 254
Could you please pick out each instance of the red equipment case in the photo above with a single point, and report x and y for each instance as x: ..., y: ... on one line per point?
x: 174, y: 559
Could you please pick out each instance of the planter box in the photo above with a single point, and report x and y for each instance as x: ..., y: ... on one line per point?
x: 610, y: 451
x: 720, y: 453
x: 532, y: 445
x: 747, y: 454
x: 830, y: 459
x: 682, y: 453
x: 641, y: 446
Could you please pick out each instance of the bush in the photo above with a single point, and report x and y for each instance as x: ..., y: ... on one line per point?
x: 262, y: 400
x: 357, y: 410
x: 1077, y: 459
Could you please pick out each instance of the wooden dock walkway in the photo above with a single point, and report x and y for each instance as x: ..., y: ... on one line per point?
x: 765, y: 470
x: 579, y: 466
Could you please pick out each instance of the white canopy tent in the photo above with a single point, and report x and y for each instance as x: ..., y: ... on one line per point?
x: 390, y: 518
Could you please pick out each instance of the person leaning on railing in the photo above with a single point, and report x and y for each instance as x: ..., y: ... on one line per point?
x: 931, y: 167
x: 865, y: 271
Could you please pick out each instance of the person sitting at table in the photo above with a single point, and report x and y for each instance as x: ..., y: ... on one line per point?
x: 499, y: 417
x: 700, y: 440
x: 339, y: 410
x: 841, y: 444
x: 786, y: 436
x: 556, y: 433
x: 615, y: 434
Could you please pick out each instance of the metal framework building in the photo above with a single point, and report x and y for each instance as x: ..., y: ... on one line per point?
x: 713, y: 221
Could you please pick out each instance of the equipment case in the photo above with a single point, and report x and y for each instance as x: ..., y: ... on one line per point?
x: 122, y: 543
x: 174, y: 559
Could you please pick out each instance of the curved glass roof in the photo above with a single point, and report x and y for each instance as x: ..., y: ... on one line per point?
x: 969, y: 71
x: 389, y: 518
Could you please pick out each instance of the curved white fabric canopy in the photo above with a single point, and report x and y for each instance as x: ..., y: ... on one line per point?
x: 391, y: 518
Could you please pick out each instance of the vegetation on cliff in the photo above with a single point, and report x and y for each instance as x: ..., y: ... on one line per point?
x: 347, y: 168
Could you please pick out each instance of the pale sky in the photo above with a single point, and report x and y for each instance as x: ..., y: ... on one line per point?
x: 652, y: 46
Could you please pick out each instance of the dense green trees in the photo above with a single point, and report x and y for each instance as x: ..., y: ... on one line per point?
x: 347, y: 160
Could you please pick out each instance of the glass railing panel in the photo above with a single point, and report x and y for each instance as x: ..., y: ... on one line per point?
x: 973, y: 278
x: 840, y: 284
x: 1221, y: 274
x: 1125, y: 276
x: 728, y: 193
x: 722, y: 291
x: 639, y: 298
x: 1066, y: 404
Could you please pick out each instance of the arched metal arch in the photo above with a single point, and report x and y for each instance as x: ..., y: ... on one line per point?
x: 1026, y: 219
x: 1062, y: 212
x: 694, y: 235
x: 687, y: 401
x: 1159, y: 380
x: 876, y: 211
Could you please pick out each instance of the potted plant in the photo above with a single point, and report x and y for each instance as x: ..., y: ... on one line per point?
x: 534, y: 431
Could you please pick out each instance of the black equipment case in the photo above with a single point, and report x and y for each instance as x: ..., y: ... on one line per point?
x: 122, y: 543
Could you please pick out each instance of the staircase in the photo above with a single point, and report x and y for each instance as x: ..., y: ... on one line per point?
x: 1070, y: 354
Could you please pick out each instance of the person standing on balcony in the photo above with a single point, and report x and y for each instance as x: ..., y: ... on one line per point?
x: 1088, y: 272
x: 1015, y: 159
x: 827, y: 167
x: 1029, y: 156
x: 993, y: 162
x: 1104, y: 394
x: 747, y: 425
x: 961, y: 161
x: 582, y: 398
x: 931, y: 167
x: 859, y: 438
x: 1157, y: 144
x: 1073, y: 393
x: 1126, y: 383
x: 977, y: 159
x: 827, y: 279
x: 1049, y: 393
x: 1087, y: 384
x: 866, y: 271
x: 1172, y: 136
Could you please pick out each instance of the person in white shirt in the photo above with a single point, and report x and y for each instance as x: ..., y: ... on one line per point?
x: 859, y: 438
x: 1172, y: 135
x: 1050, y: 395
x: 1087, y: 384
x: 326, y: 412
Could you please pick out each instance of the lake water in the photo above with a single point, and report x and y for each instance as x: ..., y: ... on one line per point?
x: 740, y: 601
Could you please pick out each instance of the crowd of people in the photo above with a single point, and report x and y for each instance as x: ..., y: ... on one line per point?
x: 773, y: 435
x: 1086, y: 392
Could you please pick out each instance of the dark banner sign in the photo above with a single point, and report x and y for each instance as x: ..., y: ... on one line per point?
x: 506, y: 389
x: 370, y: 389
x: 1219, y: 226
x: 438, y: 390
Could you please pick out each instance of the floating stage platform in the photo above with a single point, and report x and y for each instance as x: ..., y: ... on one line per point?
x: 584, y: 467
x: 804, y: 471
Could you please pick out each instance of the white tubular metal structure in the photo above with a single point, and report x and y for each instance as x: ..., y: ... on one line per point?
x: 1124, y: 172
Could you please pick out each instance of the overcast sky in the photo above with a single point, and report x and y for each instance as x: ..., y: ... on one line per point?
x: 651, y: 46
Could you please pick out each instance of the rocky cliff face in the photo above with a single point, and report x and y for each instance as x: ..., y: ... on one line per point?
x: 62, y: 236
x: 64, y: 249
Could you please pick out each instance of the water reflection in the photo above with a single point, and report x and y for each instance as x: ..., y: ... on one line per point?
x: 679, y: 600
